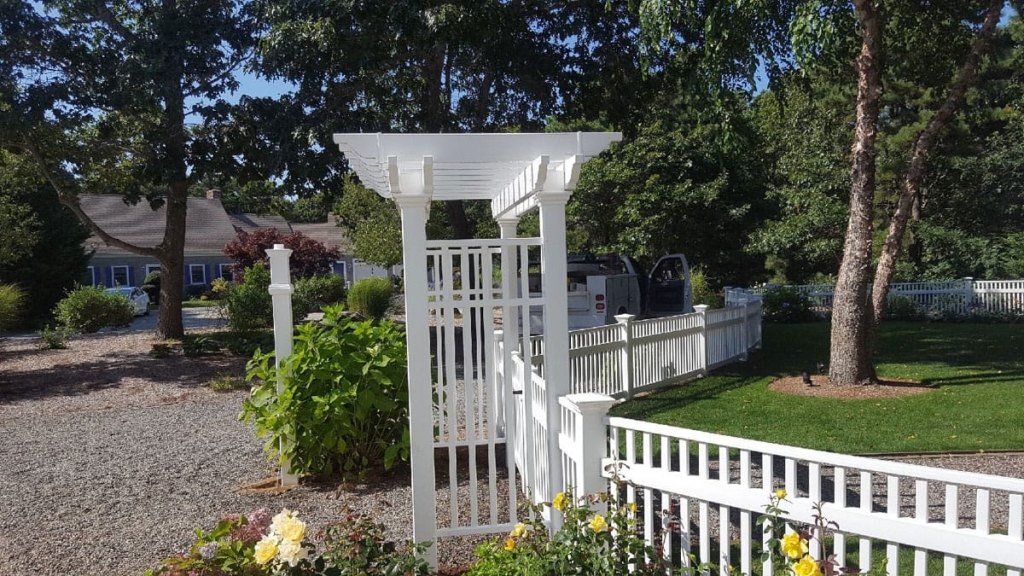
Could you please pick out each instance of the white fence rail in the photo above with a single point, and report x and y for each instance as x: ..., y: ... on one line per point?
x: 713, y: 487
x: 632, y: 356
x: 956, y: 296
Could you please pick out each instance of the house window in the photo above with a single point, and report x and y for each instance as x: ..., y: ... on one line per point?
x: 197, y: 274
x: 119, y: 275
x: 339, y: 269
x: 150, y: 268
x: 93, y: 280
x: 225, y: 272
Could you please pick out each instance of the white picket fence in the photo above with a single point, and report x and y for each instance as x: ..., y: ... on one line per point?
x: 712, y: 489
x: 633, y: 356
x: 956, y: 296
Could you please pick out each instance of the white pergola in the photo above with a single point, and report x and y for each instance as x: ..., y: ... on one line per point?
x: 516, y: 173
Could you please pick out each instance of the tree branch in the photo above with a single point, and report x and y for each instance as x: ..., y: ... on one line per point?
x: 104, y: 15
x: 70, y: 200
x: 924, y: 144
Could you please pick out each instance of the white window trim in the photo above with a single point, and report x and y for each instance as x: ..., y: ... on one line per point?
x: 113, y: 275
x: 92, y: 274
x: 150, y: 268
x: 190, y: 275
x: 222, y: 267
x: 344, y: 269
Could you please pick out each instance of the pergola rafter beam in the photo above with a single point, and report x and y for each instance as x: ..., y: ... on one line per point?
x: 522, y: 188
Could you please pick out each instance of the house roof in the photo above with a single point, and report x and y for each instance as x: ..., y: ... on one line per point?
x: 327, y: 233
x: 207, y: 226
x: 250, y: 222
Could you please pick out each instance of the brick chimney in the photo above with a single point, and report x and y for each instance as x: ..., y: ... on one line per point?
x: 213, y: 194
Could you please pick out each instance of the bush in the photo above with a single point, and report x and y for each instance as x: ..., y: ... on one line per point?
x: 702, y: 291
x: 358, y: 545
x: 345, y: 405
x: 248, y: 305
x: 53, y: 338
x: 314, y: 293
x: 88, y: 309
x: 151, y: 286
x: 787, y: 305
x: 900, y: 307
x: 371, y: 297
x: 12, y: 304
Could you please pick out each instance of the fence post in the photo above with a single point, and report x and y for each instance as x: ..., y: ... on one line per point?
x: 626, y: 364
x: 591, y: 442
x: 498, y: 383
x: 744, y: 330
x: 702, y: 341
x: 968, y: 293
x: 281, y: 293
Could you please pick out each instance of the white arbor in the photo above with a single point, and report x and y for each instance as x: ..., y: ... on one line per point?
x: 457, y: 293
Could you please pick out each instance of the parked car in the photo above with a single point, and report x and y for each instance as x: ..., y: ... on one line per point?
x: 135, y: 296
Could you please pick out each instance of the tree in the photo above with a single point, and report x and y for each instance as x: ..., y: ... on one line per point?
x: 51, y: 258
x: 309, y: 257
x: 102, y: 97
x: 736, y: 33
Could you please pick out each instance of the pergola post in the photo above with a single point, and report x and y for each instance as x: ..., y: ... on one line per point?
x: 510, y: 327
x: 556, y: 327
x: 421, y: 402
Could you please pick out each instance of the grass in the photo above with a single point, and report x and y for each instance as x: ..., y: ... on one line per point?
x: 200, y: 303
x: 978, y: 371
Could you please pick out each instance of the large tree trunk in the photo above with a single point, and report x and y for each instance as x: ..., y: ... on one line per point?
x: 850, y: 361
x: 910, y: 191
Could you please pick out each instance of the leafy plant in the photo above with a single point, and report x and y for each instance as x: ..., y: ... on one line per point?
x: 199, y: 346
x: 900, y: 307
x: 88, y: 309
x: 589, y: 542
x: 358, y: 546
x: 309, y: 257
x: 371, y: 297
x: 151, y: 286
x: 786, y: 304
x: 54, y: 338
x: 161, y: 351
x: 345, y: 405
x: 12, y: 304
x: 248, y: 306
x: 227, y: 383
x: 703, y: 293
x: 313, y: 293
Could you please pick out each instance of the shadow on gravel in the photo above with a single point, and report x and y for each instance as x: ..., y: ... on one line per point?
x: 91, y: 376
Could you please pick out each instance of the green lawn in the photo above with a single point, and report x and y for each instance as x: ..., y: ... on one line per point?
x: 978, y: 403
x: 200, y: 303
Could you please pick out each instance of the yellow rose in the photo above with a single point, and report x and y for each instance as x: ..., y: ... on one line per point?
x: 291, y: 529
x: 292, y: 552
x: 510, y: 544
x: 780, y: 493
x: 560, y: 502
x: 632, y: 507
x: 806, y: 567
x: 518, y: 530
x: 793, y: 546
x: 598, y: 524
x: 266, y: 549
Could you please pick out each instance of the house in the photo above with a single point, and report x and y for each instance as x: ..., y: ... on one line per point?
x: 209, y: 228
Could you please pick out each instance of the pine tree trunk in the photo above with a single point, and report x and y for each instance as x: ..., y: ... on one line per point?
x: 910, y: 191
x: 850, y: 359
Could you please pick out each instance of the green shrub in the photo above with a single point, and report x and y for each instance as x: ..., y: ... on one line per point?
x: 371, y: 297
x: 358, y: 545
x: 12, y: 304
x: 312, y: 294
x: 787, y: 305
x: 900, y: 307
x: 702, y: 291
x: 199, y: 346
x: 88, y: 309
x: 345, y: 404
x: 151, y: 286
x: 54, y: 338
x: 248, y: 305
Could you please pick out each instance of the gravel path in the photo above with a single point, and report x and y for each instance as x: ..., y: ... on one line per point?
x: 111, y: 458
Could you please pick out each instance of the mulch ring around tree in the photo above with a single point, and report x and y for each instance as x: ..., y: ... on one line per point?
x: 822, y: 386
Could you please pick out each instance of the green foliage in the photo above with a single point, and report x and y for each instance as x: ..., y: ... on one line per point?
x: 703, y: 293
x: 88, y: 309
x: 589, y: 543
x: 199, y: 346
x: 248, y: 305
x: 161, y: 351
x: 900, y: 307
x: 151, y: 286
x: 313, y: 293
x: 676, y: 189
x: 345, y: 404
x: 371, y: 297
x: 787, y: 305
x: 373, y: 224
x: 12, y: 306
x: 228, y: 383
x: 359, y: 546
x: 54, y: 338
